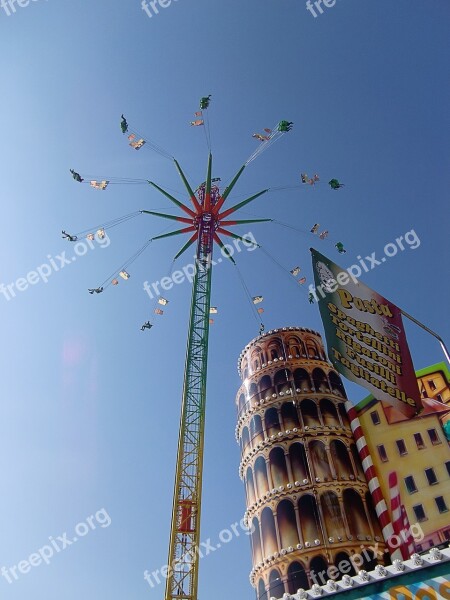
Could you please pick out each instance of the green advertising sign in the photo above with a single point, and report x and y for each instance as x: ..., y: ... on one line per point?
x: 365, y: 336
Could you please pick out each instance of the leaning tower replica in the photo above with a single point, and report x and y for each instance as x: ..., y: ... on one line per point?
x: 308, y: 503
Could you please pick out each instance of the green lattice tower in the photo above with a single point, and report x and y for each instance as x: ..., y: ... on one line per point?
x: 206, y: 222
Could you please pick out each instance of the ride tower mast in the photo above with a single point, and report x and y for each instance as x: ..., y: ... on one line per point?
x: 206, y: 222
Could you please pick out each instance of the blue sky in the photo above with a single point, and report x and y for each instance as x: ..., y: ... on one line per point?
x: 91, y: 404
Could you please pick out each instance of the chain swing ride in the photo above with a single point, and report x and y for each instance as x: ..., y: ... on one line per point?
x: 206, y: 221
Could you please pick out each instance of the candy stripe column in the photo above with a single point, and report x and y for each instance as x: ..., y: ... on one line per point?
x: 400, y: 521
x: 372, y: 479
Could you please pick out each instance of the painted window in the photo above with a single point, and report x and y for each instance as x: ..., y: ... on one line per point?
x: 375, y: 417
x: 410, y: 484
x: 434, y: 436
x: 419, y: 441
x: 441, y: 505
x: 431, y: 476
x: 419, y: 512
x: 401, y: 447
x: 382, y: 453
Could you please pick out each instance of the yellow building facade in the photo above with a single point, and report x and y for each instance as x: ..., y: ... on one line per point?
x: 418, y: 451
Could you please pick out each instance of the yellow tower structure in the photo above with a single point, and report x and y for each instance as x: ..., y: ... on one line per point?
x: 308, y: 504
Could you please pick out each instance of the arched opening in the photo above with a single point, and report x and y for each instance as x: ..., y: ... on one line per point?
x: 250, y: 487
x: 276, y: 586
x: 241, y: 404
x: 341, y: 459
x: 256, y: 542
x: 295, y: 347
x: 329, y: 413
x: 275, y: 349
x: 281, y: 381
x: 253, y: 392
x: 299, y: 463
x: 262, y: 483
x: 343, y: 414
x: 319, y: 565
x: 310, y: 415
x: 245, y: 441
x: 278, y: 469
x: 302, y: 380
x: 357, y: 461
x: 312, y: 349
x: 320, y: 381
x: 309, y: 519
x: 287, y: 525
x: 370, y: 562
x: 341, y: 558
x: 262, y: 595
x: 355, y: 513
x: 294, y: 350
x: 337, y: 387
x: 256, y: 430
x: 373, y: 516
x: 319, y: 460
x: 289, y: 416
x: 268, y: 531
x: 265, y: 387
x: 244, y: 365
x: 334, y: 524
x: 297, y: 577
x: 261, y: 355
x: 256, y: 359
x: 272, y: 422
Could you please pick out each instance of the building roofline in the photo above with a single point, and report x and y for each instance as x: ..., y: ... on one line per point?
x: 442, y: 366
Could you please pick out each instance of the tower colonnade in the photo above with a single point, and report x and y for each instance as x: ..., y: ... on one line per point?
x: 308, y: 503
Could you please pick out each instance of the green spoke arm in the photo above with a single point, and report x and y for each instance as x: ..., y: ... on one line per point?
x: 174, y: 200
x: 187, y: 186
x: 222, y: 247
x: 228, y: 189
x: 241, y: 204
x: 164, y: 216
x: 235, y: 236
x: 243, y: 221
x: 208, y: 185
x: 186, y: 246
x: 177, y: 232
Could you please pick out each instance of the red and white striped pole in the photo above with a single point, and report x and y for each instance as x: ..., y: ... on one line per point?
x: 400, y: 521
x: 372, y: 480
x: 409, y: 541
